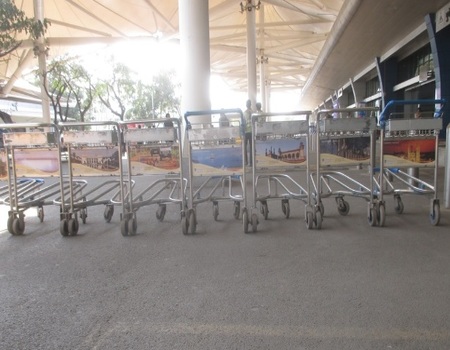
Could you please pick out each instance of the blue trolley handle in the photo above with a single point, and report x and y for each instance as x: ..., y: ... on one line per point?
x: 385, y: 112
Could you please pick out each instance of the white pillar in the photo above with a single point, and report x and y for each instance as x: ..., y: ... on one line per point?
x: 194, y: 41
x: 262, y: 60
x: 41, y: 53
x: 251, y: 51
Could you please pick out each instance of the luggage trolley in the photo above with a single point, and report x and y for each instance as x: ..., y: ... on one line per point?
x: 29, y: 153
x: 93, y: 151
x: 408, y: 144
x: 279, y: 146
x: 216, y: 162
x: 346, y: 141
x: 153, y: 153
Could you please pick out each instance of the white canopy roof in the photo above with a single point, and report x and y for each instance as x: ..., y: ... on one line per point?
x: 290, y: 33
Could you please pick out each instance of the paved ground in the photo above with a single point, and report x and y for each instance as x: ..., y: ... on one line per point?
x: 347, y: 286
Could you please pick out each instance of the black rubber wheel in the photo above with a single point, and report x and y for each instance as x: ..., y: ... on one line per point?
x: 318, y: 219
x: 185, y: 225
x: 72, y: 226
x: 381, y: 215
x: 435, y: 214
x: 192, y: 221
x: 264, y: 210
x: 64, y: 228
x: 343, y: 206
x: 286, y: 208
x: 83, y: 215
x: 161, y: 212
x: 245, y: 220
x: 124, y: 227
x: 40, y: 214
x: 18, y: 226
x: 372, y: 216
x: 132, y: 227
x: 10, y: 223
x: 109, y: 212
x: 309, y: 220
x: 237, y: 210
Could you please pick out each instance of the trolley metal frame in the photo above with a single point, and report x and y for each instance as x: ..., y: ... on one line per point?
x: 411, y: 130
x: 218, y: 187
x: 332, y: 181
x: 289, y: 129
x: 75, y: 202
x: 27, y: 193
x: 170, y: 188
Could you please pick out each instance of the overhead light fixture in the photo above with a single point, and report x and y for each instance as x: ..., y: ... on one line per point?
x: 249, y: 6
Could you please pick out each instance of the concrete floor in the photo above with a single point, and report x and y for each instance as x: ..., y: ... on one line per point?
x: 346, y: 286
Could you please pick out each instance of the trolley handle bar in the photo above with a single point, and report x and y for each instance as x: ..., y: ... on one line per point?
x: 385, y: 112
x: 189, y: 114
x: 256, y: 116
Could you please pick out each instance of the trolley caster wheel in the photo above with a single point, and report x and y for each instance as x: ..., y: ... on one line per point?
x: 132, y: 226
x: 318, y: 218
x: 435, y: 213
x: 285, y: 208
x: 245, y: 221
x: 18, y: 226
x: 10, y: 223
x: 83, y: 215
x: 124, y: 227
x: 309, y: 220
x: 372, y: 216
x: 237, y: 210
x: 184, y: 225
x: 64, y: 227
x: 399, y: 205
x: 192, y: 221
x: 343, y: 206
x: 73, y: 226
x: 264, y: 210
x: 40, y: 214
x: 215, y: 210
x: 108, y: 213
x: 254, y: 223
x: 381, y: 214
x: 161, y: 212
x: 321, y: 208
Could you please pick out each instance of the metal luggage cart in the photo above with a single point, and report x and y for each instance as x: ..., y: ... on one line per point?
x: 93, y: 151
x: 153, y: 154
x: 346, y: 141
x: 215, y: 151
x: 30, y: 153
x: 408, y: 145
x: 279, y: 145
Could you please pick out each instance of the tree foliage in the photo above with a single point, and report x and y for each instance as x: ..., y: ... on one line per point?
x: 156, y: 99
x: 70, y: 89
x: 117, y: 92
x: 14, y: 21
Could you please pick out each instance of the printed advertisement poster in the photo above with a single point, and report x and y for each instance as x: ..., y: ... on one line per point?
x: 345, y: 151
x: 281, y: 153
x: 219, y: 160
x: 94, y: 161
x: 153, y: 159
x: 32, y: 163
x: 409, y: 153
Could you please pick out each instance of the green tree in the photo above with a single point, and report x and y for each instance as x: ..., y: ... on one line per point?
x: 14, y: 21
x: 70, y: 89
x: 156, y: 99
x: 117, y: 92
